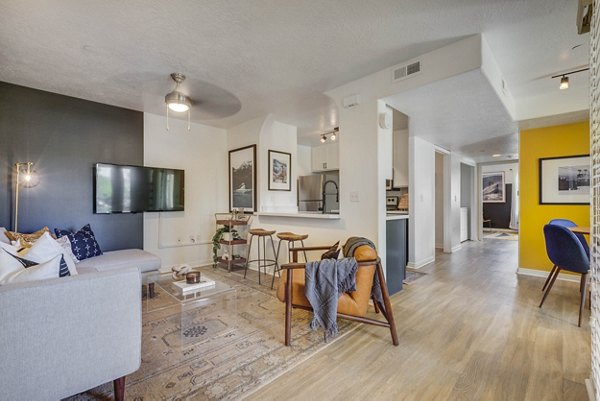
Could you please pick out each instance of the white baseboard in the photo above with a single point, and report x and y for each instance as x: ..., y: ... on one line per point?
x: 456, y: 248
x: 421, y: 263
x: 589, y: 386
x: 542, y: 273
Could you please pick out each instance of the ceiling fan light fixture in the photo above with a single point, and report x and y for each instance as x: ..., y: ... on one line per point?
x: 177, y: 101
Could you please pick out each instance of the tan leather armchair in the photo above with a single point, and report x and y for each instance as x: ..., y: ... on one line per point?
x: 351, y: 306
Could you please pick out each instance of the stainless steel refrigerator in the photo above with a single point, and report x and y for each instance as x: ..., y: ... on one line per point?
x: 310, y: 193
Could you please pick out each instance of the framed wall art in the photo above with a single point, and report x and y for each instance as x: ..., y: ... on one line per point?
x: 493, y: 188
x: 242, y: 179
x: 280, y: 171
x: 565, y: 180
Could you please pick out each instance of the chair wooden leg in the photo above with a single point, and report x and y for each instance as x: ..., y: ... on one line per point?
x: 119, y: 387
x: 248, y: 254
x: 375, y: 305
x: 550, y: 286
x: 288, y: 306
x: 583, y: 294
x: 276, y: 266
x: 548, y: 278
x: 389, y: 314
x: 303, y: 246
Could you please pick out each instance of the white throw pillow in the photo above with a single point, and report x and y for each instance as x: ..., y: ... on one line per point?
x: 9, y: 248
x: 8, y: 264
x: 65, y: 242
x: 46, y: 248
x: 3, y: 238
x: 42, y: 271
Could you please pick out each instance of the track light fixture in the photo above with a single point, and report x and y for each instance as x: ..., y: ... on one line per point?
x: 564, y: 83
x: 564, y: 78
x: 331, y: 134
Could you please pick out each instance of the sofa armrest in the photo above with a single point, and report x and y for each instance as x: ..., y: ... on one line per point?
x: 63, y: 336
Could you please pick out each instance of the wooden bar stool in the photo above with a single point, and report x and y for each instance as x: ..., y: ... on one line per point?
x: 290, y: 238
x: 261, y: 261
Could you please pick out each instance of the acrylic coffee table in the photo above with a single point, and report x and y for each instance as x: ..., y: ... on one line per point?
x: 200, y: 314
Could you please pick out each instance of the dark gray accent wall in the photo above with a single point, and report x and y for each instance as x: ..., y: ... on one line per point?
x: 499, y: 213
x: 65, y: 137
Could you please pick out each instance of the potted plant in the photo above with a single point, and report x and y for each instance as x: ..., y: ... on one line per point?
x: 223, y: 233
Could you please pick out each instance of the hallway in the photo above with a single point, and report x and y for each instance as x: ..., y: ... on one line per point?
x: 470, y: 329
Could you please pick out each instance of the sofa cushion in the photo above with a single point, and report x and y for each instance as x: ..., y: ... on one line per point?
x: 65, y: 243
x: 26, y: 240
x: 3, y: 238
x: 46, y: 248
x: 144, y: 261
x: 83, y: 242
x: 14, y: 269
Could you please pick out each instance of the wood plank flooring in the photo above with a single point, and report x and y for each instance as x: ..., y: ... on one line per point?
x: 470, y: 329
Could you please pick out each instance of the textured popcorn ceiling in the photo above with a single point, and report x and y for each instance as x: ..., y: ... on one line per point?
x: 274, y: 56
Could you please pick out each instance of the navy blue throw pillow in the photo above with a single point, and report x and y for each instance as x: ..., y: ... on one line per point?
x: 83, y: 242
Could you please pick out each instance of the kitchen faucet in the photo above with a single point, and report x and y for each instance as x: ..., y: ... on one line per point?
x: 336, y: 193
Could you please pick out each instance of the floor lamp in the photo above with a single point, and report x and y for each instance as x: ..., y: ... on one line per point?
x: 25, y: 177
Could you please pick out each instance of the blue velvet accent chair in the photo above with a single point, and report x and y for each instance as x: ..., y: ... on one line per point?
x: 566, y: 252
x: 580, y: 237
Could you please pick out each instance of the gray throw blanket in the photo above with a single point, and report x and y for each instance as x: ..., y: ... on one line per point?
x: 349, y: 248
x: 326, y: 281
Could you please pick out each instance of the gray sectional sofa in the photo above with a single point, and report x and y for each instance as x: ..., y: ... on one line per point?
x: 67, y: 335
x: 64, y: 336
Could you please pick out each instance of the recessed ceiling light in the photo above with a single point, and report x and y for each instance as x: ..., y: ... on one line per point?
x: 496, y: 155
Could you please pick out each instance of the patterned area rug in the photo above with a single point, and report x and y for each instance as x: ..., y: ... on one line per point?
x: 223, y: 350
x: 503, y: 236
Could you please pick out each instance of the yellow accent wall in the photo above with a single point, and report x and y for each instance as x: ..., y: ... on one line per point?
x: 561, y: 140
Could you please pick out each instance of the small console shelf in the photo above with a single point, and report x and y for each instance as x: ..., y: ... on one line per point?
x: 230, y: 238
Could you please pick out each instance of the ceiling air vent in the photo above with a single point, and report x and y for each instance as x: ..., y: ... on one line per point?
x: 405, y: 71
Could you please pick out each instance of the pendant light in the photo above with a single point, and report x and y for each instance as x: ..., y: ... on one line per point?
x: 177, y: 101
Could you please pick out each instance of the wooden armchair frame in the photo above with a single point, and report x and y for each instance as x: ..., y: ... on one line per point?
x: 385, y: 309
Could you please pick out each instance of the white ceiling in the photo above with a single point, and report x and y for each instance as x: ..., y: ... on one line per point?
x: 272, y: 56
x: 458, y: 114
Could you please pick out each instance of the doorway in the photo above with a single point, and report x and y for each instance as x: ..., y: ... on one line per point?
x: 439, y: 200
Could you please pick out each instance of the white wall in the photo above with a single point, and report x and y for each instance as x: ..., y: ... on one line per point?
x: 275, y: 135
x: 509, y: 169
x: 358, y: 160
x: 202, y: 153
x: 421, y: 225
x: 401, y: 157
x: 304, y: 160
x: 452, y: 203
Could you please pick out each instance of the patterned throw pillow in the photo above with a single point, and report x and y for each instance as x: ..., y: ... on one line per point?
x: 65, y: 243
x: 83, y: 242
x: 26, y: 240
x: 17, y: 269
x: 332, y: 253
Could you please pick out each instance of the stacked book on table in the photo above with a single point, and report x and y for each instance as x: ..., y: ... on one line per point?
x: 185, y: 287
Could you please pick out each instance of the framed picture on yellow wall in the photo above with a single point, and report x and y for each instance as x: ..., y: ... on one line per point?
x: 565, y: 180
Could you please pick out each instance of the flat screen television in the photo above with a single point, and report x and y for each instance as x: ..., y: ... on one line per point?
x: 134, y: 189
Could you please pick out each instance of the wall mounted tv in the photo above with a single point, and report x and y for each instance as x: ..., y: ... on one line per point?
x: 134, y: 189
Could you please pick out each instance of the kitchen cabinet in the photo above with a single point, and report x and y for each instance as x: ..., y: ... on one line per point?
x: 396, y: 254
x: 400, y: 159
x: 387, y: 155
x: 325, y: 158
